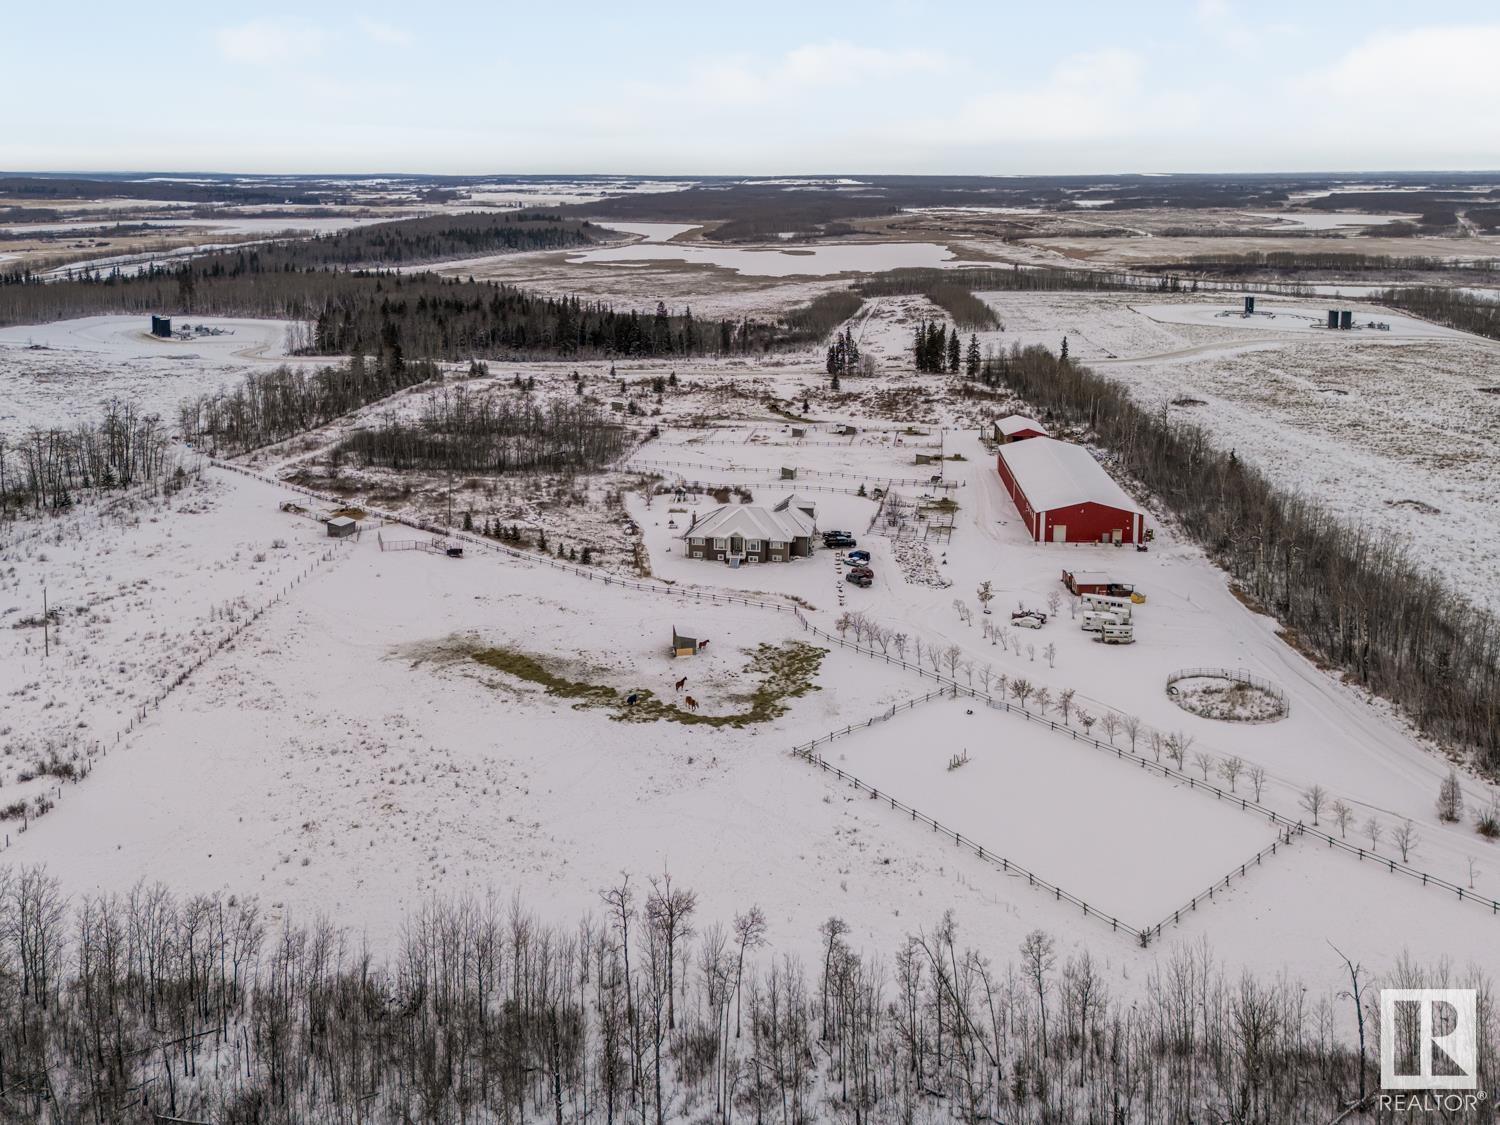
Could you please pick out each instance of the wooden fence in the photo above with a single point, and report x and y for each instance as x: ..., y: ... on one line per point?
x: 1177, y: 776
x: 807, y: 752
x: 484, y: 544
x: 699, y: 467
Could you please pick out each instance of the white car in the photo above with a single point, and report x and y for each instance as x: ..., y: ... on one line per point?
x: 1026, y: 621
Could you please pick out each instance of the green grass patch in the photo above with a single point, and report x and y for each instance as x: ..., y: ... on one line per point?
x: 780, y: 673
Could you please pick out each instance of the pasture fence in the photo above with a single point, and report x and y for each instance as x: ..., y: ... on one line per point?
x: 1176, y: 775
x: 478, y: 541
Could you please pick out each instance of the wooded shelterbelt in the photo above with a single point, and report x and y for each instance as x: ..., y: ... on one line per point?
x: 423, y: 314
x: 1352, y: 598
x: 44, y: 470
x: 459, y: 431
x: 896, y: 283
x: 118, y: 1008
x: 271, y: 406
x: 969, y: 312
x: 1453, y: 307
x: 1324, y: 261
x: 414, y: 241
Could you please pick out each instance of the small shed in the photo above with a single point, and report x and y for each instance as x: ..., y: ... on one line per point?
x: 1083, y: 582
x: 1018, y: 427
x: 928, y: 458
x: 788, y: 473
x: 683, y: 646
x: 799, y: 431
x: 161, y: 326
x: 341, y: 527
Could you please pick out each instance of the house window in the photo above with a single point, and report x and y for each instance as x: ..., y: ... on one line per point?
x: 752, y: 546
x: 698, y: 542
x: 720, y: 544
x: 775, y: 546
x: 697, y: 554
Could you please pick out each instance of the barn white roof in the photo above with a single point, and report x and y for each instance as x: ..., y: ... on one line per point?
x: 1056, y: 474
x: 752, y: 522
x: 1015, y: 423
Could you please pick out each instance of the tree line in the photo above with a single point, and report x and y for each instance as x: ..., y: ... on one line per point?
x: 271, y: 406
x: 412, y: 241
x: 1352, y: 598
x: 1467, y: 312
x: 141, y: 1006
x: 46, y: 469
x: 425, y: 314
x: 459, y: 431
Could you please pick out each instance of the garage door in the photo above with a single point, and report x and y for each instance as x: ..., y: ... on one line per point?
x: 1059, y: 533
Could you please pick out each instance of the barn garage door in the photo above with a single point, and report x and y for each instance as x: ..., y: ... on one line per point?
x: 1059, y: 533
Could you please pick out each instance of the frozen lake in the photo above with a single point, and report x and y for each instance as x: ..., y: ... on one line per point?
x: 1330, y: 220
x: 810, y: 261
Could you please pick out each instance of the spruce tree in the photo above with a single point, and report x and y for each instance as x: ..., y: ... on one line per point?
x: 972, y: 360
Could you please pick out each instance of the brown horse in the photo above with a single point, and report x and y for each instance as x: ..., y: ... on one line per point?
x: 692, y: 703
x: 680, y: 684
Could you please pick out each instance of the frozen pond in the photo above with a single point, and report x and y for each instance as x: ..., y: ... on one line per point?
x: 811, y: 261
x: 649, y: 232
x: 1330, y: 220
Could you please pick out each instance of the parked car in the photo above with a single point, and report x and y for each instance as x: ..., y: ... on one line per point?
x: 840, y: 540
x: 1027, y: 621
x: 862, y: 578
x: 857, y: 558
x: 835, y: 533
x: 861, y: 570
x: 1041, y: 618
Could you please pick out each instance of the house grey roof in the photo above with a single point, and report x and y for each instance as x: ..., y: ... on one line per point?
x: 1057, y: 474
x: 752, y: 522
x: 796, y: 502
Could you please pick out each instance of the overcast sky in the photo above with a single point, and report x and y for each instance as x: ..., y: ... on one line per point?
x: 754, y: 87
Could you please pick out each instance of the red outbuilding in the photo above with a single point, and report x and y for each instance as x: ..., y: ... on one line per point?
x: 1018, y: 427
x: 1065, y: 496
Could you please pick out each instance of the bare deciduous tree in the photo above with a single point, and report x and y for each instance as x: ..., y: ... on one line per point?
x: 1314, y: 799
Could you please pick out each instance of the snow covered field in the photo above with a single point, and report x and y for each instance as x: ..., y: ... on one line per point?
x: 63, y: 372
x: 347, y: 754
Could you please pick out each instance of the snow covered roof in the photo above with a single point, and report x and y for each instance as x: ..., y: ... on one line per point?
x: 1092, y: 578
x: 341, y: 521
x: 752, y: 522
x: 1014, y: 423
x: 797, y: 502
x: 1056, y: 474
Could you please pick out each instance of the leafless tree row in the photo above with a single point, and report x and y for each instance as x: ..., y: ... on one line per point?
x: 117, y: 1007
x: 271, y: 406
x: 44, y: 470
x: 495, y: 433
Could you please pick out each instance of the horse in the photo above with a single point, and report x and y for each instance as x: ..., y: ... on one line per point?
x: 692, y: 703
x: 680, y: 684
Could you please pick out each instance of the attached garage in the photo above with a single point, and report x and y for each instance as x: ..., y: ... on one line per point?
x: 1065, y: 496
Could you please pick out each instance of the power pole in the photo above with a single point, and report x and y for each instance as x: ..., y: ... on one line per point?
x: 46, y: 639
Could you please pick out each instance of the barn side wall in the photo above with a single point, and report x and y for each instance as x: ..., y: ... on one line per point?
x: 1090, y: 523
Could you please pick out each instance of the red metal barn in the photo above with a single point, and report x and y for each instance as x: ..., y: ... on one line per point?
x: 1065, y: 496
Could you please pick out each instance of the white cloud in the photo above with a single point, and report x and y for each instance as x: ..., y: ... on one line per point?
x: 1093, y: 96
x: 747, y: 80
x: 1450, y: 64
x: 384, y: 33
x: 269, y: 42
